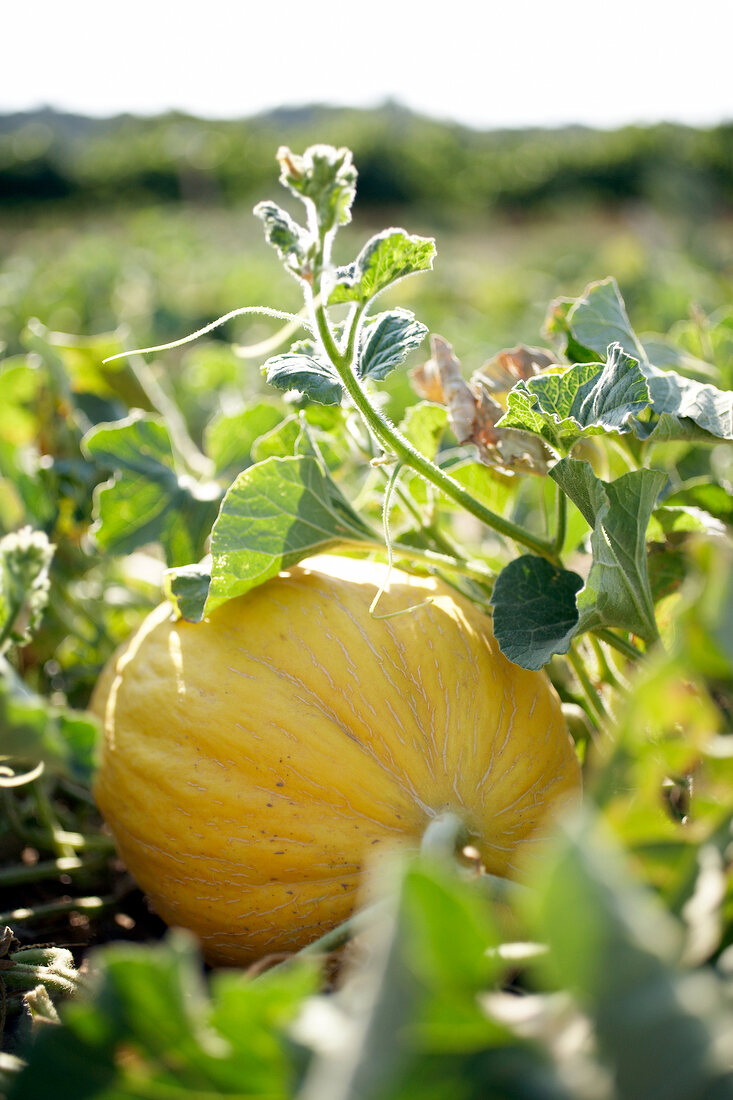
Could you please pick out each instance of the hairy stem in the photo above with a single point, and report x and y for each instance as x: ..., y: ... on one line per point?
x: 392, y: 440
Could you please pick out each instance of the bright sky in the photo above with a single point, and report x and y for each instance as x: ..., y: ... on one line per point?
x: 488, y: 64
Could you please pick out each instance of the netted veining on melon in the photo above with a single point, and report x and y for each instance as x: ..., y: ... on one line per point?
x: 255, y: 763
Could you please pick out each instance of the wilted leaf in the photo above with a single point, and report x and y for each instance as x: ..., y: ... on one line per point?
x: 473, y: 414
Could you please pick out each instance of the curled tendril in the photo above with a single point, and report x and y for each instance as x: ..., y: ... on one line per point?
x: 10, y: 778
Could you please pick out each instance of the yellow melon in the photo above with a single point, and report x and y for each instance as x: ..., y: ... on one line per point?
x: 253, y: 764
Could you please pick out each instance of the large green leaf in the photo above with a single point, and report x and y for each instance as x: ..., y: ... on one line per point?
x: 385, y: 258
x: 585, y: 399
x: 599, y: 318
x: 617, y: 591
x: 275, y: 514
x: 147, y: 500
x: 683, y: 408
x: 535, y: 613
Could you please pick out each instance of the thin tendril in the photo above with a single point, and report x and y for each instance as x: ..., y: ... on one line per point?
x: 391, y: 484
x: 266, y: 310
x: 264, y: 347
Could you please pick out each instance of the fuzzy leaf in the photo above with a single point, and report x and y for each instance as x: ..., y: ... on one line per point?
x: 315, y: 378
x: 585, y: 399
x: 387, y: 341
x: 326, y: 177
x: 285, y: 235
x: 387, y: 257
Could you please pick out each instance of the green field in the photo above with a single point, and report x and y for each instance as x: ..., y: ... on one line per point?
x: 583, y: 508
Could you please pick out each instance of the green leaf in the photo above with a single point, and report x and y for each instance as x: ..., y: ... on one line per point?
x: 599, y: 318
x: 316, y: 378
x: 424, y: 426
x: 34, y: 730
x: 387, y: 257
x: 416, y: 1027
x: 187, y: 588
x: 147, y: 501
x: 535, y: 613
x: 616, y: 949
x: 687, y: 408
x: 324, y: 176
x: 387, y: 340
x: 586, y: 399
x: 274, y: 515
x: 283, y: 441
x: 21, y: 384
x: 617, y: 591
x: 288, y: 238
x: 151, y: 1029
x: 228, y: 439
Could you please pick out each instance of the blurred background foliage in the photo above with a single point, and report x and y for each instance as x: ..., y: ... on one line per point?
x: 147, y: 221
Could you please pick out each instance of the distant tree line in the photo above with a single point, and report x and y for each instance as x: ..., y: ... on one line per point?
x: 401, y: 157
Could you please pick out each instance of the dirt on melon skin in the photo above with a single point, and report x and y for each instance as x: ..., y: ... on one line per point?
x: 252, y: 764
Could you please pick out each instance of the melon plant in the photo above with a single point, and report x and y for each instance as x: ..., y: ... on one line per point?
x: 388, y: 596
